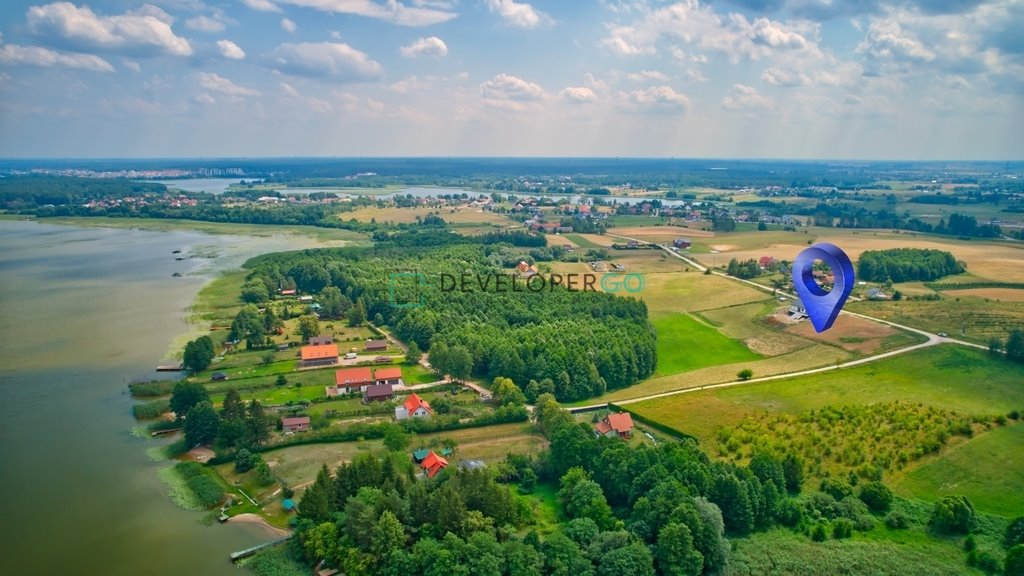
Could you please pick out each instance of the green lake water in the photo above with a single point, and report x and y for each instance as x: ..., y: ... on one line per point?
x: 83, y: 311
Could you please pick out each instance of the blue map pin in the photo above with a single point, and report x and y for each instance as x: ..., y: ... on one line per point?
x: 823, y: 307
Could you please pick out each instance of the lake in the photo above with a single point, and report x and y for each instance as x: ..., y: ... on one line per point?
x: 84, y: 311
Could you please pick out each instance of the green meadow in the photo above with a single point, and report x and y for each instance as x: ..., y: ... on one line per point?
x: 685, y: 343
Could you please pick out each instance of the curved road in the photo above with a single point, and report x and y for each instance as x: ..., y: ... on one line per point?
x: 933, y: 339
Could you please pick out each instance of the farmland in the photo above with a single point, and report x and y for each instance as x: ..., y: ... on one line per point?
x: 682, y: 332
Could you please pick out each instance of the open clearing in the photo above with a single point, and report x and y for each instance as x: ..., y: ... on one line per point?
x: 997, y: 491
x: 856, y: 335
x: 558, y: 240
x: 660, y: 234
x: 1002, y: 294
x: 693, y: 291
x: 944, y: 376
x: 409, y: 215
x: 678, y: 333
x: 978, y: 319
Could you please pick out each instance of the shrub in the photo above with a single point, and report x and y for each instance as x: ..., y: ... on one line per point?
x: 985, y: 561
x: 206, y: 490
x: 818, y: 533
x: 1014, y: 532
x: 244, y: 461
x: 745, y: 374
x: 1015, y: 561
x: 953, y: 514
x: 842, y: 528
x: 151, y: 409
x: 969, y: 543
x: 837, y: 489
x: 877, y: 496
x: 897, y: 520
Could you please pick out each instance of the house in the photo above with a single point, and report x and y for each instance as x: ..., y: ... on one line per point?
x: 378, y: 393
x: 433, y: 464
x: 296, y: 424
x: 877, y: 294
x: 620, y: 425
x: 389, y: 376
x: 797, y: 311
x: 326, y: 355
x: 351, y: 380
x: 321, y: 340
x: 525, y: 269
x: 376, y: 345
x: 766, y: 262
x: 413, y: 407
x: 632, y: 244
x: 306, y: 298
x: 382, y: 360
x: 681, y: 243
x: 287, y: 292
x: 419, y: 455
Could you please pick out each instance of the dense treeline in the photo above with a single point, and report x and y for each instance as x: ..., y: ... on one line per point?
x: 27, y: 193
x: 906, y: 265
x: 448, y: 301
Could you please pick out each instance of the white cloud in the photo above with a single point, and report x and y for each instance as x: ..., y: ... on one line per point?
x: 579, y: 95
x: 144, y: 31
x: 407, y: 85
x: 745, y: 98
x: 289, y: 90
x: 431, y: 46
x: 788, y: 78
x: 394, y: 11
x: 15, y: 54
x: 886, y: 39
x: 214, y: 83
x: 204, y: 23
x: 288, y: 26
x: 205, y: 99
x: 333, y: 61
x: 508, y: 87
x: 647, y: 75
x: 261, y: 5
x: 131, y: 65
x: 519, y: 14
x: 230, y: 50
x: 657, y: 99
x: 694, y: 24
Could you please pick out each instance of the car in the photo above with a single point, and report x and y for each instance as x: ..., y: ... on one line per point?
x: 942, y: 334
x: 350, y: 356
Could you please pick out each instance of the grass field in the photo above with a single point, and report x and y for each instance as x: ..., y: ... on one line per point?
x: 979, y: 319
x: 945, y: 376
x: 680, y: 334
x: 582, y: 242
x: 408, y: 215
x: 998, y: 491
x: 667, y: 293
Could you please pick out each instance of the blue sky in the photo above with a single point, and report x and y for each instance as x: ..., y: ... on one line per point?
x: 859, y: 79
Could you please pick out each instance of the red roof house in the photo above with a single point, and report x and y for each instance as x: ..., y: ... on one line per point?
x: 613, y: 425
x: 433, y: 464
x: 413, y: 407
x: 765, y: 261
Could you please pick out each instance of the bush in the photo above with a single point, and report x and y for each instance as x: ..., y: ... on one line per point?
x: 953, y: 514
x: 842, y: 528
x: 1014, y: 532
x: 745, y: 374
x: 244, y: 461
x: 897, y: 520
x: 985, y: 561
x: 837, y: 489
x: 1015, y: 561
x: 151, y: 409
x: 877, y: 496
x: 818, y: 533
x: 206, y: 489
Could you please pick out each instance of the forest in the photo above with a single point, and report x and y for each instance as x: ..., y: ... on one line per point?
x: 906, y: 265
x: 483, y: 333
x: 623, y: 509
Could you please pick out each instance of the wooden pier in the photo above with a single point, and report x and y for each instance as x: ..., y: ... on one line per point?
x: 236, y: 556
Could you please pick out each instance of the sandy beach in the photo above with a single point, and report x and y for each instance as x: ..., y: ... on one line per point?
x: 250, y: 518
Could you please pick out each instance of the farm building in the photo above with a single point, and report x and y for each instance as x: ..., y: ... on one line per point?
x: 526, y: 270
x: 378, y: 393
x: 390, y: 376
x: 350, y: 380
x: 681, y: 243
x: 766, y: 262
x: 877, y: 294
x: 797, y: 311
x: 376, y: 345
x: 326, y: 355
x: 296, y: 424
x: 620, y: 425
x: 413, y: 407
x: 433, y: 464
x: 321, y: 340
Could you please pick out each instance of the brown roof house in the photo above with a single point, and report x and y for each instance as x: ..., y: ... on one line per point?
x: 376, y: 345
x: 321, y: 340
x: 296, y: 424
x: 378, y: 393
x: 613, y: 425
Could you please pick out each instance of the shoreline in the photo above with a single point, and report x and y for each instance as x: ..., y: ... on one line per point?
x: 261, y: 522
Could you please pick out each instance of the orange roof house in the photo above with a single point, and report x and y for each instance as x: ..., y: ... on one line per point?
x: 388, y: 375
x: 613, y: 425
x: 350, y: 380
x: 413, y: 407
x: 433, y: 464
x: 324, y: 355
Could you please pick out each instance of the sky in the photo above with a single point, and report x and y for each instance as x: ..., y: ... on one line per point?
x: 801, y: 79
